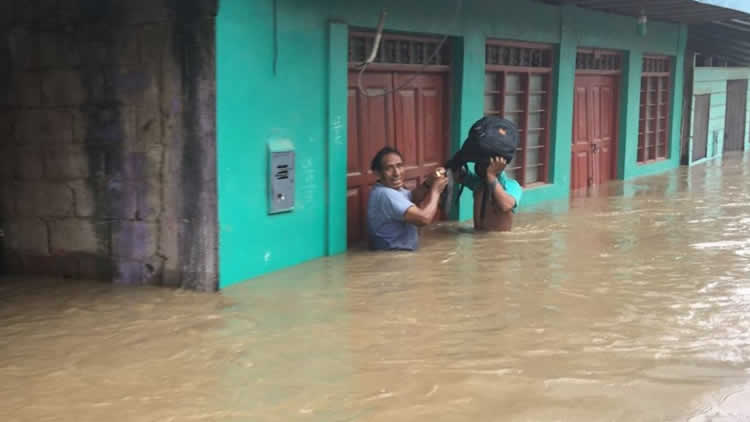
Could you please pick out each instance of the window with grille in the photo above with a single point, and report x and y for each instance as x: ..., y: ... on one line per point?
x: 653, y: 126
x: 517, y: 87
x: 400, y: 50
x: 598, y: 61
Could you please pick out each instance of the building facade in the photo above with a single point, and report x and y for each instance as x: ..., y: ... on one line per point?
x: 719, y: 113
x: 593, y: 95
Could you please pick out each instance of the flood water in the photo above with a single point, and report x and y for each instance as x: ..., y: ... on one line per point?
x: 630, y: 306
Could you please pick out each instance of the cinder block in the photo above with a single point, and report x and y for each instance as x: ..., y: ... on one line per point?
x: 83, y: 196
x: 115, y: 46
x: 104, y: 125
x: 45, y: 126
x: 36, y: 11
x: 73, y: 235
x: 55, y: 265
x: 26, y: 199
x: 21, y: 42
x: 125, y: 46
x: 29, y: 164
x: 37, y: 199
x: 62, y: 88
x: 55, y: 200
x: 27, y: 236
x: 94, y: 267
x: 7, y: 201
x: 169, y: 248
x: 135, y: 240
x: 7, y: 127
x: 28, y: 87
x: 11, y: 262
x: 8, y: 156
x: 70, y: 162
x: 120, y: 199
x: 131, y: 84
x: 148, y: 120
x: 152, y: 43
x: 150, y: 199
x: 58, y: 49
x: 138, y: 272
x: 6, y: 13
x: 145, y: 11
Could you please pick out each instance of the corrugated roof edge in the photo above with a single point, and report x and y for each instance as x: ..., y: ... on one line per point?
x: 738, y: 5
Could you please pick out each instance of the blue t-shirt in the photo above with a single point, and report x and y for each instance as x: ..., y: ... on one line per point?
x: 385, y: 219
x: 512, y: 187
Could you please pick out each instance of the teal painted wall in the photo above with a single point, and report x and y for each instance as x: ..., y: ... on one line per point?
x: 713, y: 81
x: 303, y: 97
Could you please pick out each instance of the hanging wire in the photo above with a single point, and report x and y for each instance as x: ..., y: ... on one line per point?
x: 275, y: 36
x: 376, y: 47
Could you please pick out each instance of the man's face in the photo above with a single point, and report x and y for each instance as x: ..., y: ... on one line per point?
x: 392, y: 171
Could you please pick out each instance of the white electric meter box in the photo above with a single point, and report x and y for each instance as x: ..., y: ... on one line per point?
x: 280, y: 176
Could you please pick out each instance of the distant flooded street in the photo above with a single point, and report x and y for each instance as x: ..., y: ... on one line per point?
x: 629, y: 306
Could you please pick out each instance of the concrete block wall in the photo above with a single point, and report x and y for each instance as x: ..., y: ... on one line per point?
x: 107, y: 140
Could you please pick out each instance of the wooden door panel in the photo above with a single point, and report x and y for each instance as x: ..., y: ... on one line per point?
x: 355, y: 213
x: 580, y: 170
x: 607, y: 114
x: 580, y: 148
x: 377, y: 123
x: 434, y: 142
x: 605, y: 163
x: 735, y: 115
x: 406, y: 125
x: 594, y: 130
x: 594, y: 109
x: 413, y: 119
x: 700, y: 126
x: 370, y: 120
x: 579, y: 116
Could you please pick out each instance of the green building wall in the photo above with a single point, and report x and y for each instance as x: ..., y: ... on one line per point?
x: 282, y: 73
x: 713, y: 81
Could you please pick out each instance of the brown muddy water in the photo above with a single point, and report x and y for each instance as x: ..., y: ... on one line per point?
x: 630, y: 306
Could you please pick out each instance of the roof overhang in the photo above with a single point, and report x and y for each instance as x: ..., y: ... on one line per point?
x: 719, y: 28
x: 678, y: 11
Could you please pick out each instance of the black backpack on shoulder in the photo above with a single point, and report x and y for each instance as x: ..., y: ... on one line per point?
x: 490, y: 136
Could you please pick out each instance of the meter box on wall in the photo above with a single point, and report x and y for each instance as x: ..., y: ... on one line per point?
x: 280, y: 176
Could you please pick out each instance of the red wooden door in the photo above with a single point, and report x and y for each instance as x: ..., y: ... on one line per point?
x: 412, y: 117
x: 594, y: 131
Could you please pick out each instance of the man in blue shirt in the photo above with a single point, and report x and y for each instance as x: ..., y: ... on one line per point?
x: 502, y: 201
x: 393, y: 212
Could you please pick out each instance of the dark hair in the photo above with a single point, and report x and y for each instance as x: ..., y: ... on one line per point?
x: 377, y: 162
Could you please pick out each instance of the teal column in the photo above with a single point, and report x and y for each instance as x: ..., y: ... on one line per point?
x: 564, y: 89
x: 678, y: 83
x: 471, y: 107
x: 338, y: 34
x: 630, y: 102
x: 690, y: 129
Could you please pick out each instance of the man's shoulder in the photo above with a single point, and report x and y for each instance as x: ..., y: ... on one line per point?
x: 381, y: 191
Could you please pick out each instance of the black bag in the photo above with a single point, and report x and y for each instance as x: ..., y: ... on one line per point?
x: 488, y: 137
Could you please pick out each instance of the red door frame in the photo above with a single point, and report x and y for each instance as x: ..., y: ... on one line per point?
x: 394, y: 70
x: 616, y: 74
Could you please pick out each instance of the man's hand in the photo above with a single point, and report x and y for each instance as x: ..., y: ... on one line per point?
x: 497, y: 165
x: 424, y: 213
x: 439, y: 184
x: 438, y: 173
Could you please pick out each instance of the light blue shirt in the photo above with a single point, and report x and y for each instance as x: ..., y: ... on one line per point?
x: 385, y: 219
x: 510, y: 186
